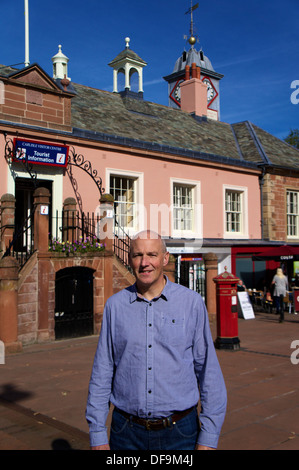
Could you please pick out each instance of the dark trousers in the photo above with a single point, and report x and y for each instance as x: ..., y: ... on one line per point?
x: 279, y: 306
x: 127, y: 435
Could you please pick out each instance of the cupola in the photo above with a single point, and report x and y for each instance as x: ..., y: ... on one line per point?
x: 60, y: 65
x: 128, y: 63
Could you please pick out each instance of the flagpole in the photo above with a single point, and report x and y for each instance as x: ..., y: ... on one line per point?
x: 26, y: 33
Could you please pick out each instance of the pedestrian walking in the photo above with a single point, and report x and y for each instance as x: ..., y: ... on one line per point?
x: 280, y: 283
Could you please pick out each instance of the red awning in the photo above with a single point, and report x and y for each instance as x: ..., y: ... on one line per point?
x: 279, y: 253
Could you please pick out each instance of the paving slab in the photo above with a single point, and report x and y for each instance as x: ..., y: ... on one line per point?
x: 43, y: 391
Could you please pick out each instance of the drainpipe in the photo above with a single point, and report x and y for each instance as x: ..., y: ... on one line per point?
x: 261, y: 183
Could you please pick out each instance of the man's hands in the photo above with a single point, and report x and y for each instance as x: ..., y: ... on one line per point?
x: 107, y: 447
x: 200, y: 447
x: 103, y: 447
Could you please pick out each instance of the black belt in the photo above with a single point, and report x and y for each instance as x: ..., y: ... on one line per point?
x: 156, y: 424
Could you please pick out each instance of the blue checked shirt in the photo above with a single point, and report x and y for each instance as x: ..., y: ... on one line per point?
x: 153, y: 358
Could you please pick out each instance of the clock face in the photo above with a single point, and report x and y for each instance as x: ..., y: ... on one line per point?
x: 175, y: 95
x: 211, y: 92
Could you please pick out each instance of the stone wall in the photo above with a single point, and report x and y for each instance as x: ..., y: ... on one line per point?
x: 30, y: 98
x: 36, y: 303
x: 275, y: 205
x: 27, y: 302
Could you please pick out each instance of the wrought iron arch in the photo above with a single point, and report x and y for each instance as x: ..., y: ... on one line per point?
x: 75, y: 160
x: 11, y: 155
x: 78, y: 160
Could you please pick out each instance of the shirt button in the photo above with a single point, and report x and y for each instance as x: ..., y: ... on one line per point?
x: 149, y: 324
x: 149, y: 368
x: 150, y: 346
x: 149, y: 391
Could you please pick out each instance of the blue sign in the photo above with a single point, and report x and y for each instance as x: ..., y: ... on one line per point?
x: 41, y: 153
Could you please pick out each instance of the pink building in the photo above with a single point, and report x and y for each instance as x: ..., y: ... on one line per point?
x: 178, y: 170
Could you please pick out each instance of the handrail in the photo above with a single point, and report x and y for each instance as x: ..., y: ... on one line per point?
x: 121, y: 244
x: 16, y: 248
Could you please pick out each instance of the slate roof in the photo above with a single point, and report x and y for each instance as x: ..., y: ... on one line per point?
x: 6, y: 70
x: 259, y: 146
x: 138, y: 123
x: 110, y: 117
x: 279, y: 152
x: 127, y: 53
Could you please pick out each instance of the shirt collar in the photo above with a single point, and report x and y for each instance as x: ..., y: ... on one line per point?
x: 134, y: 295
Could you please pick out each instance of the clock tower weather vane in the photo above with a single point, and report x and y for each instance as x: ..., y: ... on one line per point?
x: 192, y: 39
x: 208, y: 75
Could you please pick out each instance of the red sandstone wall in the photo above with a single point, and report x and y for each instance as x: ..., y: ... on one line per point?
x: 28, y: 291
x: 275, y: 205
x: 36, y: 105
x: 27, y: 302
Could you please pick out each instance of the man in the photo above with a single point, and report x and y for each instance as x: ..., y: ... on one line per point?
x: 154, y: 353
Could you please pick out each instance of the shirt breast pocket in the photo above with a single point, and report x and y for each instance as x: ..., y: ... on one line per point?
x: 172, y: 329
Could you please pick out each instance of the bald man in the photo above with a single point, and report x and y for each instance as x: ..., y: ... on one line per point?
x: 155, y: 360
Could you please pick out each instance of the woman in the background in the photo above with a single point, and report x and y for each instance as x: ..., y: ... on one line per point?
x: 280, y: 282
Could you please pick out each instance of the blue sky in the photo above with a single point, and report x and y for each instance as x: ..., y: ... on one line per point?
x: 254, y: 44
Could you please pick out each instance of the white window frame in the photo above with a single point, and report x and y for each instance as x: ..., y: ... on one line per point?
x: 243, y: 191
x: 197, y: 225
x: 292, y: 214
x: 139, y: 212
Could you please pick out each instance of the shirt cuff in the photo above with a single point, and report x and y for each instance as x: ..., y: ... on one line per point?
x: 98, y: 438
x: 208, y: 439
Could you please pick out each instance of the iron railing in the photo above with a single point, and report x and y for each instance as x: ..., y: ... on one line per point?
x: 72, y: 226
x: 67, y: 226
x: 121, y: 244
x: 21, y: 246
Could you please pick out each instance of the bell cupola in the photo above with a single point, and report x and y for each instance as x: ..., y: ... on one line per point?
x: 128, y: 63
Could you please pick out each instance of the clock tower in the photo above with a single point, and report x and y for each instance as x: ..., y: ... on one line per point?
x: 207, y: 74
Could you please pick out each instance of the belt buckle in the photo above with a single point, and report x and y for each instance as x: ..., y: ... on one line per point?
x: 148, y: 425
x: 167, y: 422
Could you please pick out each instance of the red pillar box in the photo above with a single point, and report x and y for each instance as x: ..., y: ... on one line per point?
x: 296, y: 300
x: 227, y: 311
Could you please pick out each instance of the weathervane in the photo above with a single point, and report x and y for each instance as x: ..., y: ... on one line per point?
x: 192, y: 39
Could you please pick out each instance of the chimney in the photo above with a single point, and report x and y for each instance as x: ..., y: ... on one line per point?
x: 194, y: 93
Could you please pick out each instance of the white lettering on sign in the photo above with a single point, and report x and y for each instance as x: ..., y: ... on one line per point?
x: 41, y: 154
x: 245, y: 304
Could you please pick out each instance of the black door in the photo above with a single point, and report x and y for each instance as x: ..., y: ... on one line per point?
x: 74, y: 303
x: 24, y: 189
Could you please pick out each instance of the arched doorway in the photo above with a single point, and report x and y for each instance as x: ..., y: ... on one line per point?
x: 73, y: 302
